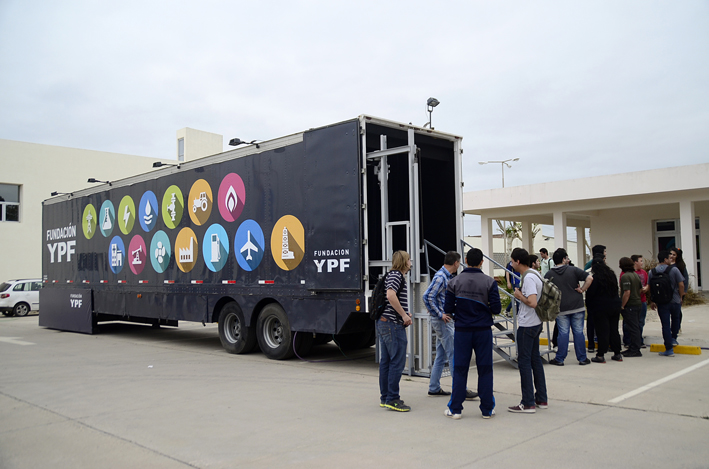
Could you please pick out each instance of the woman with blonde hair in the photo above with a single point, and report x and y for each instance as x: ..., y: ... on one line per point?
x: 392, y: 333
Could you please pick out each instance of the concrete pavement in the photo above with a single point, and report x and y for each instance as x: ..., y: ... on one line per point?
x: 137, y: 397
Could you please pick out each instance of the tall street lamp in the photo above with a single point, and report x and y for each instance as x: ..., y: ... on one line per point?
x: 503, y: 164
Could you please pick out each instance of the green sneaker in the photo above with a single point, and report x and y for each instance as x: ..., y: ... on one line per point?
x: 398, y: 405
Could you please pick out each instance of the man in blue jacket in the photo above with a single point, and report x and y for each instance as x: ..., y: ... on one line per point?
x: 472, y: 299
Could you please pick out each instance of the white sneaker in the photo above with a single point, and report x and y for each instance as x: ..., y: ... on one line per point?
x: 450, y: 414
x: 492, y: 414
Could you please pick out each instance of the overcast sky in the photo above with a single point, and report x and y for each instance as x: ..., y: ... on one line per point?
x: 571, y: 88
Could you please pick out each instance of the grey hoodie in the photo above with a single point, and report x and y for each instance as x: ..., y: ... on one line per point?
x: 567, y: 278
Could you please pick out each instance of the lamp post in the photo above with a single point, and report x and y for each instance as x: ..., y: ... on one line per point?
x: 430, y: 104
x: 503, y: 164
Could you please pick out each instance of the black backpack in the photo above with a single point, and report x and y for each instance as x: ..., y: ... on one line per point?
x: 661, y: 289
x: 378, y: 300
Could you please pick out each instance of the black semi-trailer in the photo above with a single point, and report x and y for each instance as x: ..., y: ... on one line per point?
x: 277, y: 241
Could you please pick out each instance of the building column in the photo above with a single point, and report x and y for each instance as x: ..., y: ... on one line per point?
x: 486, y: 238
x: 527, y: 239
x: 560, y: 230
x: 689, y: 252
x: 580, y: 258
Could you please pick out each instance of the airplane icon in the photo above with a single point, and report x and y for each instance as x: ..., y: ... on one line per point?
x: 249, y: 246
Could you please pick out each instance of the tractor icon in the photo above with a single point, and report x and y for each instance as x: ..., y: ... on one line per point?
x: 200, y: 202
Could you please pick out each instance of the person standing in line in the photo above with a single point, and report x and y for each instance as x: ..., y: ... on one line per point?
x: 392, y: 333
x: 529, y: 326
x: 546, y: 262
x: 669, y: 312
x: 677, y: 261
x: 572, y: 310
x: 533, y: 263
x: 472, y: 298
x: 630, y: 287
x: 596, y: 250
x: 638, y: 263
x: 512, y: 283
x: 442, y: 323
x: 603, y: 302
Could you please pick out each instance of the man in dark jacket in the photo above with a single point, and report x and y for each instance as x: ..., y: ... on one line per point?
x: 471, y: 299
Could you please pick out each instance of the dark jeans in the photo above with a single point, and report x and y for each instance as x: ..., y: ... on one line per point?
x: 591, y: 329
x: 392, y: 340
x: 531, y: 371
x: 607, y: 330
x: 464, y: 344
x: 641, y: 323
x: 631, y: 318
x: 669, y: 317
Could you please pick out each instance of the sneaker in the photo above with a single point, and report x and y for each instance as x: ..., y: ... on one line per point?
x: 541, y: 405
x: 450, y: 414
x: 643, y: 346
x: 556, y: 362
x: 598, y: 359
x: 492, y: 414
x: 440, y: 392
x: 520, y: 408
x: 667, y: 353
x: 617, y: 357
x: 585, y: 362
x: 398, y: 405
x: 592, y: 350
x: 628, y: 353
x: 382, y: 403
x: 470, y: 395
x: 674, y: 343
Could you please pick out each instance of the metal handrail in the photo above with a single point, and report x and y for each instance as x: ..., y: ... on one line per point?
x: 493, y: 261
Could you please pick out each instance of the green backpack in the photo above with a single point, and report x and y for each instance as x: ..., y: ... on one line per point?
x: 549, y: 302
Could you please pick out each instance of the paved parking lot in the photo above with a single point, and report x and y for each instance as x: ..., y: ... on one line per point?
x: 133, y: 396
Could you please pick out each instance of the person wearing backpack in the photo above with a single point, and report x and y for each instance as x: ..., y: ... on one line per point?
x: 392, y: 333
x: 666, y: 286
x: 529, y: 326
x: 472, y: 298
x: 573, y: 310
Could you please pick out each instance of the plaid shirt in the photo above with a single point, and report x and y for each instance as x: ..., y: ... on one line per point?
x: 435, y: 294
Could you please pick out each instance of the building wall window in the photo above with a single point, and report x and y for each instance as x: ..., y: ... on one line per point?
x: 180, y: 149
x: 9, y: 202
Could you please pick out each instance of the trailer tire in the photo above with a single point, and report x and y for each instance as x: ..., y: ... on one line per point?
x: 275, y: 339
x: 303, y: 343
x: 235, y: 336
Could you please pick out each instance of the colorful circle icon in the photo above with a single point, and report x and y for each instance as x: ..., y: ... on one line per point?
x: 88, y: 221
x: 126, y: 215
x: 249, y: 245
x: 116, y: 254
x: 186, y: 249
x: 107, y: 216
x: 172, y: 207
x: 199, y: 202
x: 231, y: 197
x: 215, y: 247
x: 137, y: 254
x: 160, y: 251
x: 148, y: 211
x: 288, y: 242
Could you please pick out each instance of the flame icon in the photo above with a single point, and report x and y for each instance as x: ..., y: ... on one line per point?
x: 231, y: 201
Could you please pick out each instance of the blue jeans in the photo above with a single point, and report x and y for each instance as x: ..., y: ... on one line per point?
x: 531, y: 371
x: 392, y: 349
x: 465, y: 343
x: 669, y: 317
x: 576, y: 321
x: 444, y: 350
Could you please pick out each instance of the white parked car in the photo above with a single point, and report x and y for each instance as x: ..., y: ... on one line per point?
x: 19, y: 297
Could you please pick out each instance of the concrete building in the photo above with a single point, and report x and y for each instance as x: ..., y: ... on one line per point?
x: 31, y: 172
x: 632, y: 213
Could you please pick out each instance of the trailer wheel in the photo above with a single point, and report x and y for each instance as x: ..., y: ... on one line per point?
x: 303, y: 343
x: 236, y: 337
x: 273, y: 333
